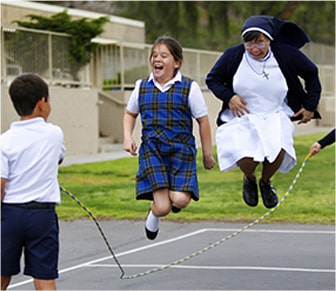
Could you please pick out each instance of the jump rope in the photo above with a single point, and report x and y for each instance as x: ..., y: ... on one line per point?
x: 202, y: 251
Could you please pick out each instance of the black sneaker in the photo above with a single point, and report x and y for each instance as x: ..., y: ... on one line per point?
x: 250, y: 192
x: 175, y: 209
x: 268, y: 194
x: 151, y: 234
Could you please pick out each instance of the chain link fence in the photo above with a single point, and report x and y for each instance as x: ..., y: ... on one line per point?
x: 42, y: 52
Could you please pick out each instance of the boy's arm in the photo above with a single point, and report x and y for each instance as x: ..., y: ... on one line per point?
x: 3, y: 186
x: 205, y: 135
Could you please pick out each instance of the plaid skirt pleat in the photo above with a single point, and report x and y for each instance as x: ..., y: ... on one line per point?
x: 166, y: 165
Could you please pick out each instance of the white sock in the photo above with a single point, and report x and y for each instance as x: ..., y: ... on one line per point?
x: 152, y: 222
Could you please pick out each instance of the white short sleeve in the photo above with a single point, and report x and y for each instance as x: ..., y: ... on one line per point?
x: 133, y: 104
x: 197, y: 103
x: 4, y: 165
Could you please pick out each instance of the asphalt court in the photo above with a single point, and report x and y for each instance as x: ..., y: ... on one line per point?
x: 264, y: 257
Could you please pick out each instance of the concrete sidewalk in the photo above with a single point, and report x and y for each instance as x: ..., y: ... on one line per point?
x: 101, y: 157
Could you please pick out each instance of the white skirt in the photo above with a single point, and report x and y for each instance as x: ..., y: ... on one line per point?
x: 257, y: 137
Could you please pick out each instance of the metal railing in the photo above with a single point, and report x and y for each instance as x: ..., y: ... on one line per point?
x: 123, y: 63
x: 115, y: 65
x: 42, y: 52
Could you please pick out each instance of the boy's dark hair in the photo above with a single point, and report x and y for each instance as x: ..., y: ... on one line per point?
x: 25, y: 91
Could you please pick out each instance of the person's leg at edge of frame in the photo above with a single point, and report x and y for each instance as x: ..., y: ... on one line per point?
x: 44, y: 284
x: 5, y: 280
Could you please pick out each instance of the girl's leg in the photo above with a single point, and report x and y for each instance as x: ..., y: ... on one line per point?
x: 161, y: 202
x: 180, y: 199
x: 163, y: 199
x: 160, y: 206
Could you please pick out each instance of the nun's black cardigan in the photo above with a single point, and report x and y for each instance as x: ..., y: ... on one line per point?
x: 293, y: 64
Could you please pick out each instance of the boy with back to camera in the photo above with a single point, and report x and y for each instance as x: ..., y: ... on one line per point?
x: 31, y: 151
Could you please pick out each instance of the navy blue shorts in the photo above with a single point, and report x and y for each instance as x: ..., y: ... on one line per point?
x: 34, y: 232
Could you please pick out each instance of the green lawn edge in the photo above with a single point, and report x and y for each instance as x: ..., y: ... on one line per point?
x: 107, y: 189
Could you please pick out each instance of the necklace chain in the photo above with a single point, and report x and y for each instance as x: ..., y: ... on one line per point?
x: 263, y: 73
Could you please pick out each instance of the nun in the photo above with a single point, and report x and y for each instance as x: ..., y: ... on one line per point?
x: 264, y: 83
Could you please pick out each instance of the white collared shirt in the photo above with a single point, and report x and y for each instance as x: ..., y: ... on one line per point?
x: 196, y: 99
x: 30, y: 152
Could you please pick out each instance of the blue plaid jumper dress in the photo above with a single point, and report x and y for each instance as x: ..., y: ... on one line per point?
x: 167, y: 155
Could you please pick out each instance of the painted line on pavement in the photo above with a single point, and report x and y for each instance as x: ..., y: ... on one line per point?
x: 244, y: 268
x: 93, y: 262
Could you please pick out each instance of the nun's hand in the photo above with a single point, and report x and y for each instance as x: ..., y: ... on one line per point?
x: 306, y: 115
x: 237, y: 106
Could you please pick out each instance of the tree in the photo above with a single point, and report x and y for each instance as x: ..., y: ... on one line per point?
x: 216, y: 24
x: 175, y: 18
x: 80, y: 48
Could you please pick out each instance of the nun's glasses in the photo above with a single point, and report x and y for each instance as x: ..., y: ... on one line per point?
x: 251, y: 45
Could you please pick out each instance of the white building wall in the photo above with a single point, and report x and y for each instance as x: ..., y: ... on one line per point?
x: 74, y: 110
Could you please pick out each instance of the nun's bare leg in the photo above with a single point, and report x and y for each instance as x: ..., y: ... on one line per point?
x: 269, y: 169
x: 248, y: 166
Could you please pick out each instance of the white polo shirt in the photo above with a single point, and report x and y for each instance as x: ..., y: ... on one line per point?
x: 196, y: 100
x: 30, y: 153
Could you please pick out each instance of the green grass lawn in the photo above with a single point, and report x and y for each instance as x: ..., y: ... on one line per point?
x: 108, y: 190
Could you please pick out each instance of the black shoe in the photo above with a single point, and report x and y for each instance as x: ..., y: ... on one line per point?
x: 175, y: 209
x: 268, y: 194
x: 250, y: 192
x: 150, y: 234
